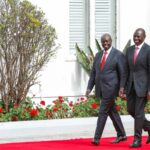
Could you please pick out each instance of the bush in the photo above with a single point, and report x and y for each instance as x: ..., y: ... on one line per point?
x: 27, y: 43
x: 86, y: 108
x: 59, y: 108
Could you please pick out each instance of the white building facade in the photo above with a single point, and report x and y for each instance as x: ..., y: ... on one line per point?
x: 81, y: 21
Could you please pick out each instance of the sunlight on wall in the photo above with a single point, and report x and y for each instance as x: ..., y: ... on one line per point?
x: 132, y: 14
x: 57, y: 14
x: 62, y: 76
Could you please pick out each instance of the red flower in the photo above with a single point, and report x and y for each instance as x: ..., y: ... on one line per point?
x: 124, y: 98
x: 42, y: 102
x: 55, y: 109
x: 61, y: 100
x: 148, y: 97
x: 146, y: 109
x: 60, y: 97
x: 82, y: 98
x: 47, y: 113
x: 27, y: 108
x: 94, y: 105
x: 118, y: 108
x: 33, y: 112
x: 1, y: 110
x: 15, y: 105
x: 71, y: 104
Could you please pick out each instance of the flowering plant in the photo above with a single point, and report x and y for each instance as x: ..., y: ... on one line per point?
x: 121, y: 106
x: 59, y: 108
x: 86, y: 108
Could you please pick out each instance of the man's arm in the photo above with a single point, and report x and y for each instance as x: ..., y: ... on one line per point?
x: 91, y: 81
x: 123, y: 73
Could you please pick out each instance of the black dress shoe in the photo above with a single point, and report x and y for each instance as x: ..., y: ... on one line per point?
x: 135, y: 144
x: 95, y: 142
x: 148, y: 140
x: 119, y: 139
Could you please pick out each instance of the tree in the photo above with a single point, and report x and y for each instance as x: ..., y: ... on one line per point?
x: 27, y: 42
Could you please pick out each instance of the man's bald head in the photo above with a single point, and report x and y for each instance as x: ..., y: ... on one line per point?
x: 106, y: 41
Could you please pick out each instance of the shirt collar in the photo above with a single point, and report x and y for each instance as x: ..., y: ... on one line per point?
x: 108, y: 51
x: 139, y: 46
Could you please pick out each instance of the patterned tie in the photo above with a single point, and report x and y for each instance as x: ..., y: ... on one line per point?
x: 103, y: 60
x: 135, y: 54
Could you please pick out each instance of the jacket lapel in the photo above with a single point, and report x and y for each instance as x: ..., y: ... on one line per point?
x: 100, y: 57
x: 99, y: 60
x: 131, y: 55
x: 140, y: 54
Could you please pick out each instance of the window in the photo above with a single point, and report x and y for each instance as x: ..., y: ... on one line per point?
x: 105, y: 19
x: 79, y: 21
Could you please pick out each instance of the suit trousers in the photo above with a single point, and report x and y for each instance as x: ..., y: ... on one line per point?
x: 135, y: 107
x: 108, y: 108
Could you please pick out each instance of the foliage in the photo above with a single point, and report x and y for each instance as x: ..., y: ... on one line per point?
x: 147, y: 107
x: 83, y: 59
x: 86, y: 59
x: 121, y: 105
x: 86, y: 108
x: 26, y: 45
x: 59, y: 108
x: 126, y: 46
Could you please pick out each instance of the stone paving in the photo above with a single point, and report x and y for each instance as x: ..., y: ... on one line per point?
x: 57, y: 129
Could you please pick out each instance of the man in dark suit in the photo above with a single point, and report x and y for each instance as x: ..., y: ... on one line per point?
x: 138, y: 84
x: 109, y: 77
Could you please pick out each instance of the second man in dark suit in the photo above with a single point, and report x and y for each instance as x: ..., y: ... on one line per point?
x: 109, y: 76
x: 138, y: 84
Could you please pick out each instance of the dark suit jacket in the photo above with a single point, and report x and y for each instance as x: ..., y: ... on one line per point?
x: 113, y: 76
x: 140, y: 72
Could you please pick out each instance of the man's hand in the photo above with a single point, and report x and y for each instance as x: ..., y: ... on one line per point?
x: 148, y: 95
x: 87, y: 93
x: 121, y: 92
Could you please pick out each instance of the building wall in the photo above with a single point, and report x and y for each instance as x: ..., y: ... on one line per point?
x: 63, y: 76
x: 132, y: 14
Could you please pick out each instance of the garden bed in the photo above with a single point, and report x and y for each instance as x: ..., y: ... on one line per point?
x: 60, y: 108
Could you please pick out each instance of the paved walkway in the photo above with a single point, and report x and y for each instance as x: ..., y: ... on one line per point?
x: 58, y: 129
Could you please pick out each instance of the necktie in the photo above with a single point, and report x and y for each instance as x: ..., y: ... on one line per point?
x: 103, y: 60
x: 135, y: 54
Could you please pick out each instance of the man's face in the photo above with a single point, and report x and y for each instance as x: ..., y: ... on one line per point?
x: 138, y: 37
x: 106, y: 42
